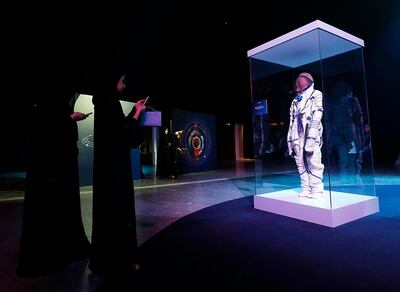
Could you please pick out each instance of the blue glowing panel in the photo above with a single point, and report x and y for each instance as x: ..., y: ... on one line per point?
x: 306, y: 48
x: 332, y: 45
x: 85, y: 140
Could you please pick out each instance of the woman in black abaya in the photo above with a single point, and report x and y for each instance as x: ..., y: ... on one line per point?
x: 114, y: 243
x: 52, y: 234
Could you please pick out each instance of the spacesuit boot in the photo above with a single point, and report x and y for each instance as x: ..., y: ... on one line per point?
x: 316, y: 174
x: 305, y: 185
x: 304, y: 177
x: 317, y: 191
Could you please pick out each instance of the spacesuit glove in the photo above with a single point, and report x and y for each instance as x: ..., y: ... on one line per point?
x: 309, y: 146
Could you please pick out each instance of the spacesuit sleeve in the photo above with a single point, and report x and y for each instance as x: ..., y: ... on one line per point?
x: 290, y: 127
x: 316, y: 111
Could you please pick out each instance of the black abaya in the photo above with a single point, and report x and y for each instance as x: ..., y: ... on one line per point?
x: 52, y: 234
x: 114, y: 243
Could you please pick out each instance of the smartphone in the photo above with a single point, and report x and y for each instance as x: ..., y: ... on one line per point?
x: 146, y: 100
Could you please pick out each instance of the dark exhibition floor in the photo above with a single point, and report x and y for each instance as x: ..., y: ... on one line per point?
x: 201, y: 232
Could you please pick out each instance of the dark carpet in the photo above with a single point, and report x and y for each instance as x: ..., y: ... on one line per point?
x: 233, y: 247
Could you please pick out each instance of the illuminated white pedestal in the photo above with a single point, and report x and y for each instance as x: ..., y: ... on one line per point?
x: 346, y: 207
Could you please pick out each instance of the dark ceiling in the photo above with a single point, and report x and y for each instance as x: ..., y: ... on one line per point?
x: 184, y: 54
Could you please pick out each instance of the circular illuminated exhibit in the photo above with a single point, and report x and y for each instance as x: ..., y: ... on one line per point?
x: 196, y: 141
x: 88, y: 141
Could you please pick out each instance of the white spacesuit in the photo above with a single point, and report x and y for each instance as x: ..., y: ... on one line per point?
x: 305, y: 136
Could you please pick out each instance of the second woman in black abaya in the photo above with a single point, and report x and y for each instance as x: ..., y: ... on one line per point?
x: 114, y: 243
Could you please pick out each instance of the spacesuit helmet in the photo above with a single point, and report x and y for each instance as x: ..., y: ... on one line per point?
x: 303, y: 82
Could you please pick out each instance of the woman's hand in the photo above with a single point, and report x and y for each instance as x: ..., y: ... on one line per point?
x: 77, y: 116
x: 140, y: 107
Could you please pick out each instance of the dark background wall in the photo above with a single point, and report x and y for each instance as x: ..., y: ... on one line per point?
x: 188, y: 56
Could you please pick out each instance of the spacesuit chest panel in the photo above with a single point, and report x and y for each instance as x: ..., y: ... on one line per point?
x: 302, y: 111
x: 301, y: 114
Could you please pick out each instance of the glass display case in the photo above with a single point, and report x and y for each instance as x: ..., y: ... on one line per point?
x: 312, y: 143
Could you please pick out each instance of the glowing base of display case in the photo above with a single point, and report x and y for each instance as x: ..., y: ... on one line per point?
x: 346, y: 207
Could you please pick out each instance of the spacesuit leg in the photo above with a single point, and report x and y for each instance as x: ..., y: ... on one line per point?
x: 305, y: 183
x: 316, y: 173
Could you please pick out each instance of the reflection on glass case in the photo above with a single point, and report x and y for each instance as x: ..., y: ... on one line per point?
x: 312, y: 142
